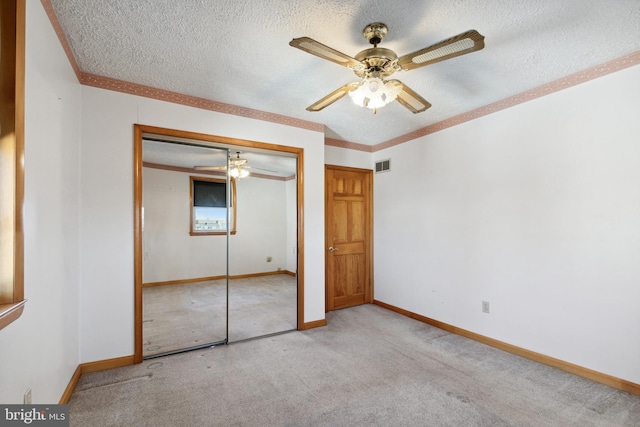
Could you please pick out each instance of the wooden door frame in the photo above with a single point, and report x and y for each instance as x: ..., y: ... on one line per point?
x: 138, y: 132
x: 327, y: 218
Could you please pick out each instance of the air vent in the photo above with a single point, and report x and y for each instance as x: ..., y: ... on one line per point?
x: 383, y: 166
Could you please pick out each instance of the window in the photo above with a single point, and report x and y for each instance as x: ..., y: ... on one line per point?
x: 209, y: 206
x: 12, y: 23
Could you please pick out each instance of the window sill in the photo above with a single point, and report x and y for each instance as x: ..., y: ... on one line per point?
x: 211, y: 233
x: 10, y: 312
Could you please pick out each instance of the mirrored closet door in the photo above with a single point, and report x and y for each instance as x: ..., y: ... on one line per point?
x: 263, y: 252
x: 219, y: 244
x: 187, y: 200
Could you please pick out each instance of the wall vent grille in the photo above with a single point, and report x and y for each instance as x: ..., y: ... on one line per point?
x: 383, y: 166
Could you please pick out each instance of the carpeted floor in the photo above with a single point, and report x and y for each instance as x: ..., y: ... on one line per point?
x: 367, y: 367
x: 193, y: 314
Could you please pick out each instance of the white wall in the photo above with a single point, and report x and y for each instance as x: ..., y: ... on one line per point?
x: 41, y: 349
x: 351, y: 158
x: 291, y: 248
x: 107, y: 206
x: 535, y: 209
x: 171, y: 253
x: 262, y: 227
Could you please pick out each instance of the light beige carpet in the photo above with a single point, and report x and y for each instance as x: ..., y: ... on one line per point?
x: 186, y: 315
x: 367, y: 367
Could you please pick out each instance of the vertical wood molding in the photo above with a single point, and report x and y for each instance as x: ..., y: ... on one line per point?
x: 12, y: 85
x: 300, y: 228
x: 137, y: 242
x: 18, y: 262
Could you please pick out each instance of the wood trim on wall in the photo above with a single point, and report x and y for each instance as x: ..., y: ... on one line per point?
x: 137, y: 243
x: 213, y: 140
x: 314, y: 324
x: 10, y: 312
x: 206, y: 279
x: 103, y: 365
x: 182, y: 281
x: 84, y: 368
x: 18, y: 262
x: 73, y: 382
x: 300, y: 216
x: 12, y: 73
x: 580, y: 371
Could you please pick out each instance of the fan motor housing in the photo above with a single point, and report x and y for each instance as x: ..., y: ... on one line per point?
x: 377, y: 60
x: 375, y: 32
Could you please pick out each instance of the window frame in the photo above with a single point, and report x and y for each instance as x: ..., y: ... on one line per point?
x: 234, y: 205
x: 12, y: 66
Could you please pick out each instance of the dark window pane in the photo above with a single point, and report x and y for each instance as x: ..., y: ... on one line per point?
x: 209, y: 194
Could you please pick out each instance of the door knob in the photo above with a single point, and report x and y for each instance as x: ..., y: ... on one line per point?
x: 332, y: 249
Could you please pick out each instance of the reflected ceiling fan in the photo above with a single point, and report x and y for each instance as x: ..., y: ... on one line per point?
x: 375, y: 64
x: 239, y: 167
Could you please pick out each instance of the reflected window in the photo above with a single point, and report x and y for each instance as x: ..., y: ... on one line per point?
x: 209, y: 206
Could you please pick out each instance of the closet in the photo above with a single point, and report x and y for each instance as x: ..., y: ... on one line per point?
x: 217, y: 242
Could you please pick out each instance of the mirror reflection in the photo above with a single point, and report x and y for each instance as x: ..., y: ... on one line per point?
x: 203, y: 285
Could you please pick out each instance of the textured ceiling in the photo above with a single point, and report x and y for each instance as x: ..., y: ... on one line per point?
x: 237, y: 52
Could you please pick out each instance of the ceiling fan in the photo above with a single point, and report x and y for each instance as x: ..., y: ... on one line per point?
x: 239, y: 167
x: 375, y: 64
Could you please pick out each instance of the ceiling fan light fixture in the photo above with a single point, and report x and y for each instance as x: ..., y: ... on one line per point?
x: 238, y: 172
x: 374, y: 93
x: 375, y: 64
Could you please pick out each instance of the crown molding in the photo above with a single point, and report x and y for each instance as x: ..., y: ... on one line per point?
x: 108, y: 83
x: 348, y: 145
x: 537, y: 92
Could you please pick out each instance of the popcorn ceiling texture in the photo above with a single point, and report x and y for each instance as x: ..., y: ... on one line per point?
x: 233, y: 56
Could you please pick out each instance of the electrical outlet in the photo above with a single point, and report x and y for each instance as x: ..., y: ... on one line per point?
x: 485, y: 307
x: 269, y: 259
x: 27, y: 397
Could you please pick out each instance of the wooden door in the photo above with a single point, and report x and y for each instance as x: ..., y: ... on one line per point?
x: 348, y: 238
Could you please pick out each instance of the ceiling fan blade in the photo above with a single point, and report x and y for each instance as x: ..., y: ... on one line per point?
x: 210, y: 168
x: 461, y: 44
x: 325, y: 52
x: 411, y: 100
x: 333, y: 97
